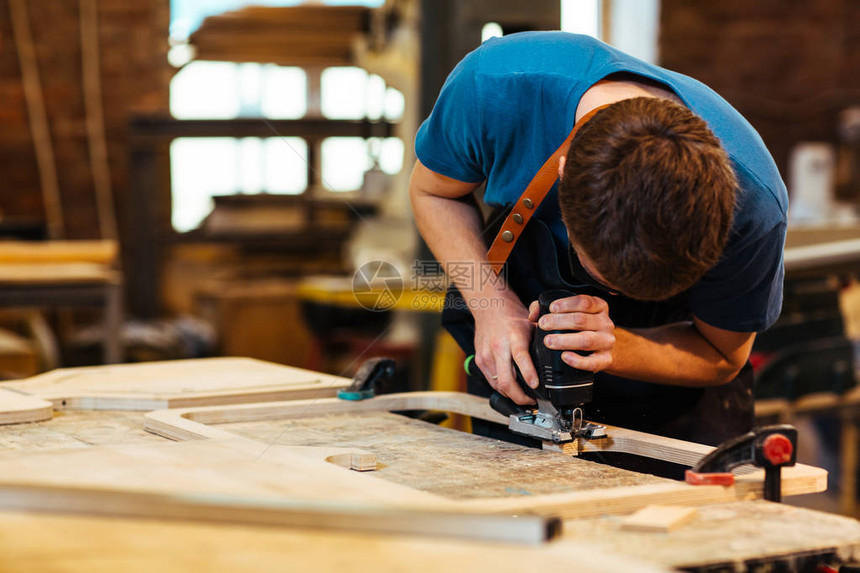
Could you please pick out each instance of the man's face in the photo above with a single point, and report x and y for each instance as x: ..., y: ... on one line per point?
x: 583, y: 270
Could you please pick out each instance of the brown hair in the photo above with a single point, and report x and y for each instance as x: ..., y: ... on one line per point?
x: 648, y: 195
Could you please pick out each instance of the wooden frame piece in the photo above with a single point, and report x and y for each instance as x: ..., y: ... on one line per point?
x: 197, y: 424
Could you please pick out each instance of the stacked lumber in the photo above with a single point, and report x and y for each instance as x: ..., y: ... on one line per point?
x: 308, y: 35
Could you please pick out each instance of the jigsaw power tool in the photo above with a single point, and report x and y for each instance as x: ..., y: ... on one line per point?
x: 561, y: 392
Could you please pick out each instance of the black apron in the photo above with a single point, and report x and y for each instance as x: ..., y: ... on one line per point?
x: 704, y: 415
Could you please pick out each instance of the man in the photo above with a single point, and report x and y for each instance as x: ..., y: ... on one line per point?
x: 668, y: 202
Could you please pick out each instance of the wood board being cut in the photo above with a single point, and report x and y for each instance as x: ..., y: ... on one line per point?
x: 236, y: 479
x: 566, y: 500
x: 176, y: 384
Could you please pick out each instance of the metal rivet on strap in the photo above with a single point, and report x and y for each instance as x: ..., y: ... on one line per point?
x: 528, y: 203
x: 518, y: 218
x: 507, y: 236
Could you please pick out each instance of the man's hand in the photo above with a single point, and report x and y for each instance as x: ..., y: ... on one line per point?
x: 503, y: 334
x: 589, y: 315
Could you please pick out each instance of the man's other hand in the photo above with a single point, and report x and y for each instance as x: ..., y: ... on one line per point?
x: 595, y: 331
x: 502, y: 335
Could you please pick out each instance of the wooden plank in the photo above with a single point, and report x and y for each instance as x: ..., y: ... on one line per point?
x: 17, y: 408
x: 658, y: 518
x: 95, y: 117
x: 17, y: 274
x: 289, y: 35
x: 101, y: 252
x: 176, y: 384
x: 86, y: 544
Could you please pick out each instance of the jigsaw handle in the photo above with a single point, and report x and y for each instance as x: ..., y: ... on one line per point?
x: 562, y: 384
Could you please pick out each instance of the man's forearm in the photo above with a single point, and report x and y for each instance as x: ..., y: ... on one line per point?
x: 452, y: 230
x: 451, y: 225
x: 674, y: 354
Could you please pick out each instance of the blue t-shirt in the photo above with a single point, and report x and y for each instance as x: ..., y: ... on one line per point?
x: 509, y: 105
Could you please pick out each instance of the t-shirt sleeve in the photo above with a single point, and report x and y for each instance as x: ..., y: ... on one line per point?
x: 449, y: 140
x: 743, y: 292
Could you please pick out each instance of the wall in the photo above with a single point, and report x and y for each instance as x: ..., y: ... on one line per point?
x: 789, y: 66
x: 135, y: 76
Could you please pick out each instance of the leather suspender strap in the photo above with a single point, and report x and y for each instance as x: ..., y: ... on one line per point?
x: 529, y: 201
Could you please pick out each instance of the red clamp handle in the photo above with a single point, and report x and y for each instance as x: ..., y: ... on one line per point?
x: 696, y: 478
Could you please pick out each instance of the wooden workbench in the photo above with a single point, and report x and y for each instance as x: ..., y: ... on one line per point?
x: 260, y: 456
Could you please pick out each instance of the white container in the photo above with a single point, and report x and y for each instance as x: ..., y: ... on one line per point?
x: 811, y: 181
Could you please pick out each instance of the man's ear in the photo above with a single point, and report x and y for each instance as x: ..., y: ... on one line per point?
x: 561, y: 161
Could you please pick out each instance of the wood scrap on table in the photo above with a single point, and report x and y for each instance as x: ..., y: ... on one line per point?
x: 658, y: 518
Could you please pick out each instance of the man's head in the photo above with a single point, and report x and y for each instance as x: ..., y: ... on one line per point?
x: 647, y: 194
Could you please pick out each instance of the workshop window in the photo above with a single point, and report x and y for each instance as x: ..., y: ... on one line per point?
x: 284, y: 93
x: 205, y: 90
x: 204, y: 167
x: 337, y: 175
x: 225, y: 90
